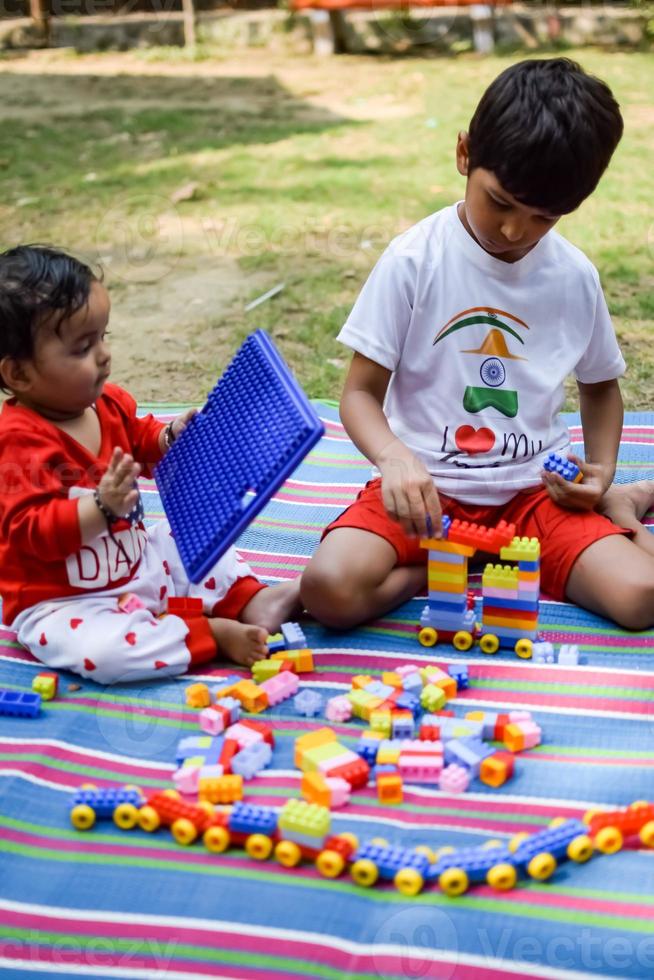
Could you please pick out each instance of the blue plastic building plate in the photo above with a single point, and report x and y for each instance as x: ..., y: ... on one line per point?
x: 255, y: 428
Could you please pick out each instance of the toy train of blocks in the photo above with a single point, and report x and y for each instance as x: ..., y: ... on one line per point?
x: 509, y: 592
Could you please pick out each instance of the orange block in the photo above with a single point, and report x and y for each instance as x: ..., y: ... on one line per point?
x: 389, y: 788
x: 314, y: 789
x: 496, y: 769
x: 513, y: 738
x: 392, y: 679
x: 360, y: 681
x: 321, y: 736
x: 198, y: 696
x: 252, y: 697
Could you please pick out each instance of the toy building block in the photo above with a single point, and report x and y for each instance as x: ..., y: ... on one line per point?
x: 221, y: 789
x: 564, y: 467
x: 301, y: 660
x: 569, y: 654
x: 232, y: 705
x: 543, y: 653
x: 338, y: 709
x: 402, y: 724
x: 360, y: 681
x: 314, y: 788
x: 262, y: 727
x: 243, y: 735
x: 305, y: 818
x: 495, y: 769
x: 211, y: 721
x: 275, y: 643
x: 454, y: 779
x: 294, y: 637
x: 521, y: 549
x: 459, y: 674
x: 499, y: 577
x: 281, y: 687
x: 249, y: 818
x: 262, y: 670
x: 392, y: 678
x: 46, y: 684
x: 250, y: 761
x: 339, y: 791
x: 128, y: 602
x: 356, y: 773
x: 255, y: 428
x: 187, y: 777
x: 389, y: 788
x: 369, y: 745
x: 251, y: 696
x: 19, y: 705
x: 409, y: 701
x: 381, y: 721
x: 228, y: 751
x: 321, y: 736
x: 432, y: 697
x: 308, y: 703
x: 197, y: 696
x: 93, y: 802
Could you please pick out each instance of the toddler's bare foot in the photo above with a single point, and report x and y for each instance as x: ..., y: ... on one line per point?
x: 626, y: 504
x: 240, y: 642
x: 271, y: 607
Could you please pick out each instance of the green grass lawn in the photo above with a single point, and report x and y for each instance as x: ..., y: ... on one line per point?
x: 304, y: 170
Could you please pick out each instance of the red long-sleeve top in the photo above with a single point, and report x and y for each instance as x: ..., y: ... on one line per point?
x: 43, y: 472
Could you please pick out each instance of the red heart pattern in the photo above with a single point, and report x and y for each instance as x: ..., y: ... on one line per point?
x: 74, y: 623
x: 88, y: 664
x: 42, y: 640
x: 131, y: 638
x: 158, y: 664
x: 472, y: 441
x: 210, y: 583
x: 162, y: 591
x: 166, y: 567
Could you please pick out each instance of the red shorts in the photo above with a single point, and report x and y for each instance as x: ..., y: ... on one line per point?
x: 237, y: 597
x: 563, y: 534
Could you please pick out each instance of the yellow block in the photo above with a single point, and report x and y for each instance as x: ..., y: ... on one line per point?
x: 528, y: 625
x: 302, y: 660
x: 435, y: 575
x: 499, y: 577
x: 388, y: 757
x: 368, y: 708
x: 361, y: 680
x: 321, y: 736
x: 252, y: 697
x: 453, y: 587
x: 521, y: 549
x: 392, y: 679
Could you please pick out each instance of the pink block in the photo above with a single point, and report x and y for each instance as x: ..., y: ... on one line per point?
x: 531, y: 732
x: 339, y: 790
x: 186, y: 779
x: 519, y: 716
x: 417, y: 770
x: 454, y: 779
x: 130, y: 603
x: 281, y: 686
x: 244, y: 735
x: 211, y: 721
x: 338, y: 709
x: 406, y: 669
x: 492, y: 593
x: 421, y: 746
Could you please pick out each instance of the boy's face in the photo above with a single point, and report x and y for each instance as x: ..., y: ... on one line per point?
x: 70, y: 365
x: 502, y: 225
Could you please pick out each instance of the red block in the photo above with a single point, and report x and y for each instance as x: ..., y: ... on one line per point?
x: 500, y: 725
x: 355, y: 773
x: 262, y: 727
x: 429, y: 733
x: 229, y: 750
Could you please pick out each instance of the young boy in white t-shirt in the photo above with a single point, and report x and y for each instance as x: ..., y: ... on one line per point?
x: 463, y: 336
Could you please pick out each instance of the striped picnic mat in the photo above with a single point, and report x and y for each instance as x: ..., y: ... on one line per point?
x: 112, y: 904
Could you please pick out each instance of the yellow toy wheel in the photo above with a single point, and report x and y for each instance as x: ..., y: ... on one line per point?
x: 184, y: 831
x: 82, y: 816
x: 462, y: 640
x: 365, y: 872
x: 408, y: 881
x: 454, y: 881
x: 609, y: 840
x: 288, y: 853
x: 647, y: 834
x: 489, y: 643
x: 259, y: 847
x: 149, y: 819
x: 542, y: 866
x: 126, y: 816
x: 502, y: 877
x: 216, y: 839
x: 517, y: 840
x: 524, y: 648
x: 428, y: 636
x: 330, y: 864
x: 580, y: 849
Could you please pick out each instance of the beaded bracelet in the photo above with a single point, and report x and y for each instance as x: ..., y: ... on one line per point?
x: 169, y: 435
x: 108, y: 514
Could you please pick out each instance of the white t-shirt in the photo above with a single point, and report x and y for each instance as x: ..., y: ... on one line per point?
x: 479, y: 351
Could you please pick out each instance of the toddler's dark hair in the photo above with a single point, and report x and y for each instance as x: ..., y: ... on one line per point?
x: 37, y: 282
x: 547, y: 129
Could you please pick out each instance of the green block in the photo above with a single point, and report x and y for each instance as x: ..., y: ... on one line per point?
x: 305, y: 818
x: 321, y: 753
x: 263, y: 670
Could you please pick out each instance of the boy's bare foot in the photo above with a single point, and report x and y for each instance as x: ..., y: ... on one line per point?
x: 271, y: 607
x: 626, y: 504
x: 240, y: 642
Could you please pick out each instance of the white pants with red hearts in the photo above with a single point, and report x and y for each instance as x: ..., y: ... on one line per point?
x: 92, y: 636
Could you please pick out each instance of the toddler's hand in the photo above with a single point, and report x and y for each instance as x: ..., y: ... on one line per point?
x: 579, y: 496
x: 180, y: 423
x: 409, y: 494
x: 117, y: 488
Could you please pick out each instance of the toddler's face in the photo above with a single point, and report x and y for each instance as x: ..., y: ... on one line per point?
x: 502, y: 225
x: 70, y: 365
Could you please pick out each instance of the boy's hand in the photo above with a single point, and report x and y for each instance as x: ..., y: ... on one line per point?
x: 409, y: 494
x: 579, y: 496
x: 117, y: 488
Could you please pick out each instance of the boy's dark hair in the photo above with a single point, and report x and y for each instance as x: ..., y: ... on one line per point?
x: 36, y: 282
x: 547, y: 130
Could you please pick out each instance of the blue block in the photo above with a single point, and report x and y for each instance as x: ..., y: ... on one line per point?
x: 390, y: 860
x: 367, y: 748
x: 529, y: 566
x: 507, y: 635
x: 294, y: 636
x: 18, y: 704
x: 276, y: 646
x: 402, y: 727
x: 475, y: 861
x: 251, y: 760
x: 448, y: 601
x: 247, y: 818
x: 529, y: 605
x: 460, y: 674
x: 447, y: 557
x: 308, y: 703
x: 553, y: 840
x: 408, y: 702
x: 104, y: 801
x: 559, y: 464
x: 233, y: 706
x: 412, y: 682
x: 255, y: 428
x: 380, y: 690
